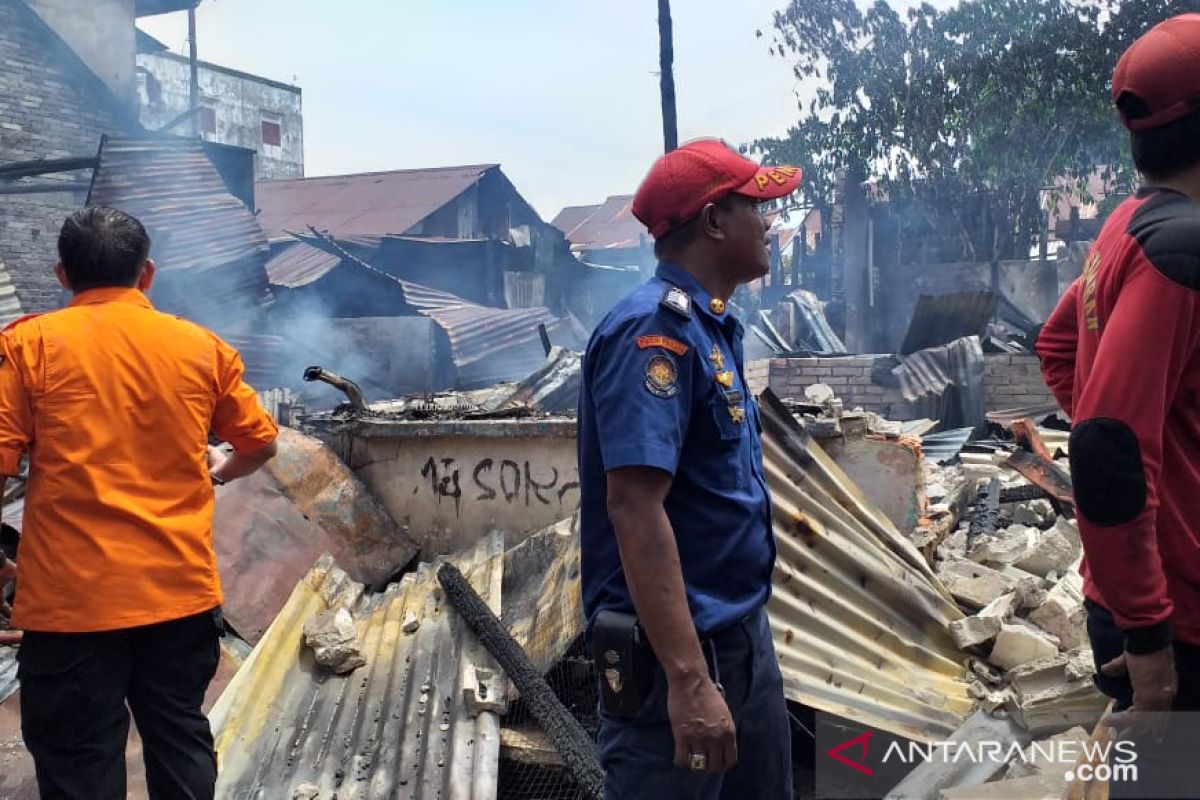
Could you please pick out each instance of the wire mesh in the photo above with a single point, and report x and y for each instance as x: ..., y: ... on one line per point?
x: 529, y: 767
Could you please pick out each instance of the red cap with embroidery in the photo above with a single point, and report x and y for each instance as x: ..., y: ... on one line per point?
x: 684, y: 181
x: 1162, y: 69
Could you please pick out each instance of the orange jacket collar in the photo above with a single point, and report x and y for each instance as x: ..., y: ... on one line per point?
x: 111, y: 294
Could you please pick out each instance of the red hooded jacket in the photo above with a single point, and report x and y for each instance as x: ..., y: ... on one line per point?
x: 1121, y: 353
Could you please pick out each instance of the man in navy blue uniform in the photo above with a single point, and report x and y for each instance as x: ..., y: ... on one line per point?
x: 676, y: 518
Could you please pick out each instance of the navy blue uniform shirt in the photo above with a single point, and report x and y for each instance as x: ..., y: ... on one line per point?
x: 663, y: 387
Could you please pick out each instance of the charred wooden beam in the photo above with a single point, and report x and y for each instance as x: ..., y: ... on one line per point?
x: 1049, y: 476
x: 569, y: 738
x: 45, y: 166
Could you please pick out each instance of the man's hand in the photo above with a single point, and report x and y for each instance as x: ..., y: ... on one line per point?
x: 215, y: 458
x: 1155, y: 684
x: 701, y: 724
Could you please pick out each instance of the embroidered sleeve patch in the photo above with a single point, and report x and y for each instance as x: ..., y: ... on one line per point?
x: 662, y: 379
x: 665, y: 342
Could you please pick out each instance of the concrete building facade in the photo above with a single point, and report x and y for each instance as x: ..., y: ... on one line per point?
x: 236, y: 108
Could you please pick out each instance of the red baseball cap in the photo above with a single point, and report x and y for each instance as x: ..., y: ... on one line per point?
x: 684, y: 181
x: 1162, y: 69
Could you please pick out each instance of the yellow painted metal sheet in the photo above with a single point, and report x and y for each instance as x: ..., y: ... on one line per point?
x: 395, y: 728
x: 860, y: 621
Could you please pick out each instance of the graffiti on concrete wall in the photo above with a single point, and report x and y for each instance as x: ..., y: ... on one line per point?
x: 490, y: 481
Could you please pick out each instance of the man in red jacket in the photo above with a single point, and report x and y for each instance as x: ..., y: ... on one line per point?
x: 1121, y: 353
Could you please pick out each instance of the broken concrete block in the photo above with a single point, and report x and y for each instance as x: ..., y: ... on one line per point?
x: 1057, y: 753
x: 954, y: 546
x: 1056, y: 549
x: 306, y: 791
x: 989, y: 700
x: 1031, y: 589
x: 985, y: 671
x: 411, y: 623
x: 1008, y: 546
x: 1056, y: 692
x: 982, y: 627
x: 1044, y: 510
x: 1019, y: 643
x: 334, y: 640
x: 1062, y: 613
x: 819, y: 393
x: 825, y: 428
x: 972, y: 584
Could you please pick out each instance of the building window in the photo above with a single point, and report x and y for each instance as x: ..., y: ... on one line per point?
x: 272, y: 133
x: 208, y: 121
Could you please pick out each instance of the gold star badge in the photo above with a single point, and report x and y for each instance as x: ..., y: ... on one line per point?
x: 717, y: 358
x: 737, y: 414
x: 717, y: 306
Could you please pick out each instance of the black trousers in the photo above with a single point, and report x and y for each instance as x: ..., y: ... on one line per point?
x: 1165, y: 769
x: 637, y: 754
x: 77, y: 690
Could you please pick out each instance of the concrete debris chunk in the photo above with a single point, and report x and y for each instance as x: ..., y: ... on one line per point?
x: 334, y: 640
x: 985, y: 671
x: 1057, y: 549
x: 1026, y: 514
x: 1057, y: 753
x: 972, y: 584
x: 306, y: 791
x: 990, y: 700
x: 1062, y: 614
x: 824, y: 427
x: 1008, y: 546
x: 954, y: 546
x: 819, y: 393
x: 1019, y: 643
x: 1031, y: 589
x: 411, y: 623
x: 1056, y: 692
x: 982, y: 627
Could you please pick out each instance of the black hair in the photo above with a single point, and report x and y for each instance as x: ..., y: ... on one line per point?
x: 678, y: 238
x: 1164, y: 152
x: 101, y: 246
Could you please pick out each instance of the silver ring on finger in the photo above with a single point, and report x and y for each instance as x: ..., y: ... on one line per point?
x: 698, y: 762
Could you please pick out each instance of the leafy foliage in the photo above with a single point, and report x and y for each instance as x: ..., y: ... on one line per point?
x: 965, y: 115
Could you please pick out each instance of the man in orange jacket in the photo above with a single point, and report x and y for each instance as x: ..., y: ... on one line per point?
x: 118, y: 592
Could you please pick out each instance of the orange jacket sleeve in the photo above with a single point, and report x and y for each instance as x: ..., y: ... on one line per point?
x: 16, y: 415
x: 238, y: 417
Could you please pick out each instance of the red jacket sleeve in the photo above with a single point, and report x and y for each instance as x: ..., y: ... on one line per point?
x: 1056, y: 345
x: 1117, y: 442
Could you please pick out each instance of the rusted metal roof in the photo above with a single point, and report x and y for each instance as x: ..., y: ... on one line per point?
x: 299, y: 264
x: 939, y: 319
x: 178, y: 194
x: 612, y: 226
x: 263, y: 356
x: 398, y: 727
x: 860, y: 621
x: 371, y: 203
x: 425, y: 298
x: 570, y: 217
x: 269, y: 528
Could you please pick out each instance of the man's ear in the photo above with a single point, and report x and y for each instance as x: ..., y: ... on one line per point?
x: 60, y: 272
x: 146, y: 278
x: 710, y: 221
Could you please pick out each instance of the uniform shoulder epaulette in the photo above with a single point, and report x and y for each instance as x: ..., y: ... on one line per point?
x: 678, y: 301
x: 19, y: 320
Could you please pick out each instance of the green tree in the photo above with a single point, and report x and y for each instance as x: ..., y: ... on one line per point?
x: 963, y: 115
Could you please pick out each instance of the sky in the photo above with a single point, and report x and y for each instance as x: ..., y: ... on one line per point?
x: 563, y: 94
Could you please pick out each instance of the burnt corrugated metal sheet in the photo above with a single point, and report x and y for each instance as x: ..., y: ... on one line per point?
x: 572, y: 216
x: 368, y: 204
x: 263, y: 357
x: 299, y: 264
x: 543, y: 600
x: 1037, y: 413
x: 398, y: 727
x: 860, y: 621
x: 424, y: 298
x: 927, y: 377
x: 813, y: 331
x: 939, y: 319
x: 303, y: 503
x: 524, y: 289
x: 194, y: 222
x: 493, y: 344
x: 942, y: 447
